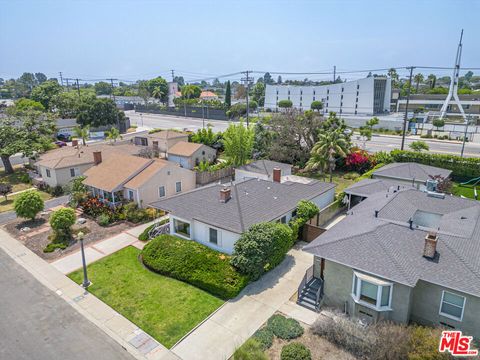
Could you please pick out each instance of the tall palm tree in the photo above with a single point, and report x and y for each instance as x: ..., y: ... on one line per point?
x: 330, y: 145
x: 113, y: 134
x: 158, y: 93
x: 432, y: 79
x: 418, y: 79
x: 82, y: 133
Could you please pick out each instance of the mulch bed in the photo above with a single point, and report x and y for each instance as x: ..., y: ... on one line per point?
x: 36, y: 239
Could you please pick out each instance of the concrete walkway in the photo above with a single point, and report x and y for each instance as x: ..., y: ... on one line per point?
x: 128, y: 335
x: 237, y: 320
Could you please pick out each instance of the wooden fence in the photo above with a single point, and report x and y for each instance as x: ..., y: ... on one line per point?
x: 207, y: 177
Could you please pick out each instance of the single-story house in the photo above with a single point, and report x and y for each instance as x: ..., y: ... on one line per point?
x: 59, y: 166
x: 164, y: 139
x: 189, y: 155
x: 262, y: 169
x: 217, y: 215
x: 410, y: 173
x: 208, y: 95
x: 404, y: 256
x: 133, y: 178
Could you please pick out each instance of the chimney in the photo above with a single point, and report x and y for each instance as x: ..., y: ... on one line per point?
x: 97, y: 157
x: 277, y: 175
x: 225, y: 195
x: 430, y: 248
x: 74, y: 142
x: 156, y: 151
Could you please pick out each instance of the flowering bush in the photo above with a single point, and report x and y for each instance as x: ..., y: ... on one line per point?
x: 94, y: 207
x: 359, y: 161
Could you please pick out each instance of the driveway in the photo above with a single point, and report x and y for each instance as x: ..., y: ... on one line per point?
x: 37, y: 324
x: 8, y: 216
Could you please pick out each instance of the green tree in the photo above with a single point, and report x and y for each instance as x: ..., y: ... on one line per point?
x: 158, y: 88
x: 316, y: 105
x: 418, y: 78
x: 103, y: 88
x: 285, y: 104
x: 367, y: 130
x: 206, y: 136
x: 82, y: 133
x: 45, y: 92
x: 24, y: 104
x: 258, y: 93
x: 67, y: 104
x: 267, y: 79
x: 392, y: 73
x: 5, y: 189
x: 262, y: 141
x: 261, y: 248
x: 419, y: 145
x: 238, y: 143
x: 228, y: 95
x: 40, y: 78
x: 99, y: 112
x: 432, y: 79
x: 438, y: 123
x: 61, y: 222
x: 191, y: 92
x: 404, y: 89
x: 25, y: 132
x: 113, y: 135
x: 28, y: 204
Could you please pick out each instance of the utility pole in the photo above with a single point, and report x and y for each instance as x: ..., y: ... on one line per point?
x: 61, y: 78
x: 78, y: 88
x: 405, y: 118
x: 67, y: 84
x: 113, y: 94
x: 465, y: 135
x: 334, y: 73
x: 247, y: 79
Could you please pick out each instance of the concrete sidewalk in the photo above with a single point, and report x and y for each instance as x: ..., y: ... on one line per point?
x: 98, y: 250
x: 230, y: 326
x: 124, y: 332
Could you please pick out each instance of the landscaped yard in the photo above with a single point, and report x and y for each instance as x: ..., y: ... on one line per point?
x: 465, y: 190
x: 19, y: 179
x: 340, y: 178
x: 163, y: 307
x: 8, y: 205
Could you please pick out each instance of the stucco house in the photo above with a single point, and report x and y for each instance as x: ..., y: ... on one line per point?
x: 217, y: 215
x: 133, y: 178
x: 164, y: 139
x: 402, y: 255
x: 59, y: 166
x: 188, y: 155
x: 262, y: 169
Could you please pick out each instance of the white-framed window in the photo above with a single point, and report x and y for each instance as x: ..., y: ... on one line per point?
x: 74, y: 172
x: 161, y: 191
x: 213, y: 236
x: 130, y: 195
x: 178, y: 186
x: 181, y: 228
x: 47, y: 171
x: 452, y: 305
x: 372, y: 292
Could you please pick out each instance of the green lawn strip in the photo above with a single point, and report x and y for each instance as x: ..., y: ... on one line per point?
x: 465, y: 190
x: 8, y: 205
x: 163, y: 307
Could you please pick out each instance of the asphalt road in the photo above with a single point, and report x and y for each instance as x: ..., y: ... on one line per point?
x: 36, y: 324
x: 378, y: 143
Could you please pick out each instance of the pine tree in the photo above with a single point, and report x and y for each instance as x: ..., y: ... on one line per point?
x: 228, y: 95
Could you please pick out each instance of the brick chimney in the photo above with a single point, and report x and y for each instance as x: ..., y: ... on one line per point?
x: 74, y: 142
x: 97, y: 157
x: 277, y: 175
x: 430, y: 248
x: 225, y: 195
x: 156, y: 150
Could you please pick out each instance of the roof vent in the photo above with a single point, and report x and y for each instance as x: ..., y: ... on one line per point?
x: 376, y: 213
x: 436, y: 194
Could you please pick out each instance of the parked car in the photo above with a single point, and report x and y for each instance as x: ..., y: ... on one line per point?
x: 60, y: 143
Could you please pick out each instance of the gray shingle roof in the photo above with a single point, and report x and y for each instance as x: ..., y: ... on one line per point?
x: 387, y: 247
x: 367, y: 187
x: 266, y: 167
x: 252, y: 201
x: 410, y: 171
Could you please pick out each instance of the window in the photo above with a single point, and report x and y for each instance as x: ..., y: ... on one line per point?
x: 181, y: 227
x: 213, y: 236
x: 283, y: 219
x: 130, y: 195
x: 358, y: 87
x: 314, y: 98
x: 72, y: 172
x: 372, y: 292
x: 161, y: 191
x: 47, y: 171
x: 294, y: 213
x: 178, y: 186
x: 452, y: 305
x: 203, y: 152
x: 313, y: 92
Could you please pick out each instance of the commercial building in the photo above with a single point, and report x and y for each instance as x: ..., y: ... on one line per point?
x: 368, y: 96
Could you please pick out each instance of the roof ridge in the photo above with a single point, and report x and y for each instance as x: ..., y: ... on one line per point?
x: 240, y: 216
x: 265, y: 167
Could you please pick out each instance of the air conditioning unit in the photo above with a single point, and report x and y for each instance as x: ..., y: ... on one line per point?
x: 432, y: 185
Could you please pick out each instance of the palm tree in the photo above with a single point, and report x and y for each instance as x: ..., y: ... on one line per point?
x: 329, y: 146
x: 418, y: 79
x: 158, y: 93
x: 82, y: 133
x: 432, y: 79
x: 113, y: 134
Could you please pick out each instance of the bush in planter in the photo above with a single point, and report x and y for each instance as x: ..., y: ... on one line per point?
x: 94, y: 207
x: 261, y: 248
x: 103, y: 220
x: 284, y: 328
x: 250, y: 350
x: 28, y: 204
x: 265, y: 337
x: 61, y: 222
x: 295, y: 351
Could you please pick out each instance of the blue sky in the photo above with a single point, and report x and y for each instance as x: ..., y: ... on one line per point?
x: 141, y: 39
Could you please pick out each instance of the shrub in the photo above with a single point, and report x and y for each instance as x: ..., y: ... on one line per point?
x: 24, y: 177
x: 359, y: 161
x: 250, y: 350
x: 307, y: 210
x: 383, y: 157
x: 103, y: 219
x: 284, y: 328
x: 261, y: 248
x: 419, y: 145
x: 423, y: 344
x: 195, y: 264
x: 351, y: 176
x: 61, y: 222
x: 94, y: 207
x: 295, y: 351
x: 5, y: 189
x: 265, y: 337
x: 53, y: 246
x: 28, y: 204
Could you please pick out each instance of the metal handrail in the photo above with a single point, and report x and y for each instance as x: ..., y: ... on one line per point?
x: 306, y: 278
x: 319, y: 293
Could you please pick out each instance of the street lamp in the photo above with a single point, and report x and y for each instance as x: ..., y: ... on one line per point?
x: 86, y: 283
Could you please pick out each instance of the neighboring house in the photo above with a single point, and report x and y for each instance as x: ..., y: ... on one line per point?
x: 133, y: 178
x: 188, y: 155
x: 165, y: 139
x: 217, y: 215
x: 410, y: 173
x: 208, y: 95
x: 405, y: 256
x: 261, y: 169
x: 59, y: 166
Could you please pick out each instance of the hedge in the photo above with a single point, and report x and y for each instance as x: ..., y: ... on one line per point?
x: 195, y: 264
x: 461, y: 167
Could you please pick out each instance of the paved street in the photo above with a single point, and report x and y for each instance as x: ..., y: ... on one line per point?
x: 10, y: 215
x: 37, y: 324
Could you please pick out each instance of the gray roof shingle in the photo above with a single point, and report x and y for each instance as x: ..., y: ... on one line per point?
x: 410, y: 171
x: 266, y: 167
x: 252, y: 201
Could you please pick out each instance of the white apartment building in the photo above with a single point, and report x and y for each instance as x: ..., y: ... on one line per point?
x: 366, y: 96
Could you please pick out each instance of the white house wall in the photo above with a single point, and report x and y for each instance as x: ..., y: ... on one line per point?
x: 226, y: 239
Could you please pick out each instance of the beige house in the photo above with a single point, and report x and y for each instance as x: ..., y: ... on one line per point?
x: 163, y: 139
x: 58, y: 167
x: 188, y: 155
x: 133, y: 178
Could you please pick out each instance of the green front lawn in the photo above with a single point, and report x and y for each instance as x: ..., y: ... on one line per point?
x: 163, y: 307
x: 19, y: 179
x: 8, y: 205
x: 341, y: 179
x: 465, y: 190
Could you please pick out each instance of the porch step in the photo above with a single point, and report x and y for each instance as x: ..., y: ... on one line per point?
x: 308, y: 305
x: 308, y: 295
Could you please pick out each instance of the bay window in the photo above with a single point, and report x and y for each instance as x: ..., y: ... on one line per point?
x: 371, y: 292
